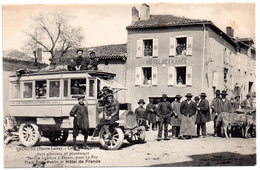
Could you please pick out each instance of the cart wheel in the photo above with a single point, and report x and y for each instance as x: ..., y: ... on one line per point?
x: 29, y: 134
x: 58, y: 137
x: 112, y: 142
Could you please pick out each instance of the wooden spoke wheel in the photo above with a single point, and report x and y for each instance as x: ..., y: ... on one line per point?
x: 58, y: 137
x: 137, y: 138
x: 29, y: 134
x: 111, y: 141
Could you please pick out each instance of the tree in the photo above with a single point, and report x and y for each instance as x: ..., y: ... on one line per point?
x: 53, y: 32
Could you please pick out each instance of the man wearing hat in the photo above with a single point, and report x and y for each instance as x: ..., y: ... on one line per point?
x: 141, y: 115
x: 188, y: 109
x: 203, y: 115
x: 226, y: 105
x: 79, y: 59
x: 110, y: 115
x: 164, y: 114
x: 92, y: 61
x: 151, y: 113
x: 176, y: 120
x: 81, y: 122
x: 216, y: 110
x: 247, y: 103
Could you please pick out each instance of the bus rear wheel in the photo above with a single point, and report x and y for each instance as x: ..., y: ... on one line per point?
x: 58, y: 137
x: 29, y: 134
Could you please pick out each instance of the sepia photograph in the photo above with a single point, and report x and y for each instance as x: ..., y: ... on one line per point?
x: 129, y: 85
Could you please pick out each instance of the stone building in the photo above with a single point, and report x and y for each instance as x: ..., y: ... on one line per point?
x: 176, y: 55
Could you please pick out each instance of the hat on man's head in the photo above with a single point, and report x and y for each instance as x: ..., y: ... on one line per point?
x: 217, y: 91
x: 105, y: 88
x: 188, y: 95
x: 141, y: 101
x: 196, y: 98
x: 81, y: 97
x: 92, y: 52
x: 203, y: 95
x: 248, y: 95
x: 237, y: 96
x: 79, y: 50
x: 164, y: 96
x: 178, y: 96
x: 224, y: 93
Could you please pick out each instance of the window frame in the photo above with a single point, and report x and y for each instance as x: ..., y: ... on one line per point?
x: 71, y: 96
x: 142, y: 78
x: 176, y: 79
x: 46, y: 96
x: 33, y: 89
x: 142, y: 48
x: 181, y: 36
x: 11, y: 89
x: 48, y: 88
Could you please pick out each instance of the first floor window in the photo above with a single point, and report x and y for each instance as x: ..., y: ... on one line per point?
x: 148, y: 47
x: 27, y: 90
x: 181, y: 46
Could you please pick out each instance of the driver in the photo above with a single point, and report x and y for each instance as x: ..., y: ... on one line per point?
x: 110, y: 115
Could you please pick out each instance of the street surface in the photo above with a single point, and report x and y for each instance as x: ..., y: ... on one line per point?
x: 210, y: 151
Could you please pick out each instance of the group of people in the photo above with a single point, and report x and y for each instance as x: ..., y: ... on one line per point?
x: 80, y: 63
x: 184, y: 116
x: 181, y: 49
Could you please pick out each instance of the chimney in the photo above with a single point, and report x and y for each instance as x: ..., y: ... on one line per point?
x: 135, y: 15
x: 232, y: 33
x: 229, y: 31
x: 145, y: 12
x: 39, y: 54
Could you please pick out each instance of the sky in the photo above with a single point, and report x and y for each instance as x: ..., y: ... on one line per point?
x: 106, y: 24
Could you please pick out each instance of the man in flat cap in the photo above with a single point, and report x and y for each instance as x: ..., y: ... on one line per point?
x: 176, y: 120
x: 164, y: 114
x: 226, y: 105
x: 81, y: 122
x: 203, y: 115
x: 216, y: 110
x: 188, y: 109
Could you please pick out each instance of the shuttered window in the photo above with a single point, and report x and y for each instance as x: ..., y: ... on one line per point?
x: 171, y: 76
x: 154, y: 77
x: 139, y: 49
x: 189, y: 45
x: 155, y: 47
x: 138, y: 78
x: 188, y: 75
x: 172, y: 47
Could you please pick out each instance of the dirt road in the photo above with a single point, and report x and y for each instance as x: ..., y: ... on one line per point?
x: 210, y: 151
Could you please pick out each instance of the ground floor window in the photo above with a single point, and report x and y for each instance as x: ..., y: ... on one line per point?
x: 54, y: 89
x: 181, y: 75
x: 147, y: 75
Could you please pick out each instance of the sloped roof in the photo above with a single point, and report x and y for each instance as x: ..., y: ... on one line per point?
x: 164, y: 21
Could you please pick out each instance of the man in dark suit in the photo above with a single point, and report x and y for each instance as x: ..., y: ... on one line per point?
x: 81, y: 122
x: 203, y: 115
x: 188, y: 109
x: 164, y: 114
x: 226, y: 105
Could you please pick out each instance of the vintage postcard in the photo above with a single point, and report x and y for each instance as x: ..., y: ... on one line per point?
x: 148, y: 84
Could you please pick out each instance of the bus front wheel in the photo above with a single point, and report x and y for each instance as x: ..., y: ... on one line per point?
x: 29, y: 134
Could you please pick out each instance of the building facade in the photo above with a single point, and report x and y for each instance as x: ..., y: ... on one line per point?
x: 175, y: 55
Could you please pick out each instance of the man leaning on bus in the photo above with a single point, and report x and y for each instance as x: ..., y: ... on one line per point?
x: 81, y: 122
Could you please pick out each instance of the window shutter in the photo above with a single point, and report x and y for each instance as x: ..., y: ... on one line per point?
x: 171, y: 76
x: 139, y: 49
x: 189, y: 45
x: 154, y: 78
x: 189, y: 75
x: 172, y: 47
x: 155, y: 47
x: 215, y: 79
x: 138, y: 78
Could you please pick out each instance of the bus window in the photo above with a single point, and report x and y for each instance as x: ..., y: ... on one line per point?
x: 15, y: 90
x: 27, y: 90
x: 78, y: 86
x: 91, y: 88
x: 54, y: 89
x: 40, y: 89
x: 65, y: 88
